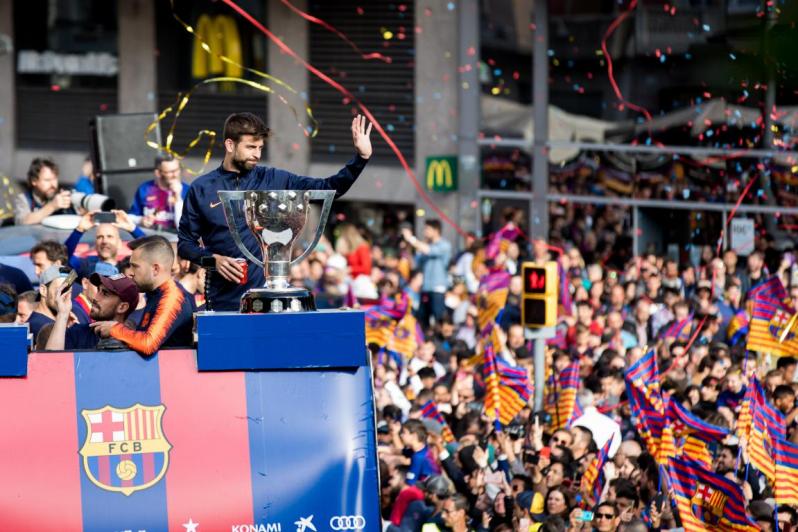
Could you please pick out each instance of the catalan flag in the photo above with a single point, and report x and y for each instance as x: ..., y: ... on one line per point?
x: 786, y: 472
x: 769, y: 319
x: 491, y: 297
x: 706, y: 500
x: 393, y: 327
x: 738, y: 327
x: 430, y: 411
x: 507, y: 388
x: 593, y: 480
x: 561, y: 401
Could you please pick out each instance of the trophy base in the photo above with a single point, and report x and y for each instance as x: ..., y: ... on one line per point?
x: 267, y: 301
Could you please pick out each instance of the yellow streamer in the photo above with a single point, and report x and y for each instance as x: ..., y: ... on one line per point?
x: 208, y: 38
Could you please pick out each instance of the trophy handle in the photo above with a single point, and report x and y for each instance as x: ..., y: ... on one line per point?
x: 328, y: 196
x: 228, y: 197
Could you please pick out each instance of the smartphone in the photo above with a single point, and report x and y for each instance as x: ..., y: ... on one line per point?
x: 586, y: 516
x: 103, y: 217
x: 68, y: 282
x: 659, y: 500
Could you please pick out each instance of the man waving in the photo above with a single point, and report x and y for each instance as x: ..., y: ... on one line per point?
x: 203, y: 218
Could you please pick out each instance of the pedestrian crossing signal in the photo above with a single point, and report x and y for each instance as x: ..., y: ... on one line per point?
x: 539, y: 295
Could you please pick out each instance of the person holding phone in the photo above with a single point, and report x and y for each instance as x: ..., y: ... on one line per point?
x: 106, y: 239
x: 116, y: 296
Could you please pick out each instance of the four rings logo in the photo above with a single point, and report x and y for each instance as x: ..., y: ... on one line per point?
x: 348, y: 522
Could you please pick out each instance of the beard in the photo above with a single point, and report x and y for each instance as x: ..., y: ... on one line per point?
x: 244, y: 165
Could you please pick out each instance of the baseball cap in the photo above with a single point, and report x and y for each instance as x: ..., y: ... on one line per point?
x: 51, y: 274
x: 121, y: 285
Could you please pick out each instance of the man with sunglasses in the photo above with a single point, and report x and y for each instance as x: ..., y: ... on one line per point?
x: 606, y: 518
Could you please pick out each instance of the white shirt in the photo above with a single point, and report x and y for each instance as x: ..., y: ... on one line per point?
x: 602, y: 427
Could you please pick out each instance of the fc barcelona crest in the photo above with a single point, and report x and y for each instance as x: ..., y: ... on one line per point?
x: 125, y: 448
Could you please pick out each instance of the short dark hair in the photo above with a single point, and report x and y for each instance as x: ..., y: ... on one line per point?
x: 36, y: 166
x: 55, y: 251
x: 786, y: 362
x: 239, y: 124
x: 163, y: 158
x: 155, y: 246
x: 435, y: 224
x: 415, y: 426
x: 783, y: 390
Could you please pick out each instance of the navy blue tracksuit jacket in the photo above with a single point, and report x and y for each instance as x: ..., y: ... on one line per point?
x: 203, y: 219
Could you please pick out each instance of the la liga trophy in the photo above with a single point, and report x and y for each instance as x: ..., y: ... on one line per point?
x: 277, y: 219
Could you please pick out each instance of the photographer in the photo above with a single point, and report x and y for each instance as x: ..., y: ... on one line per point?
x: 106, y: 240
x: 43, y: 197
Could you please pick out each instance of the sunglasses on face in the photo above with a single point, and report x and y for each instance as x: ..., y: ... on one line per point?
x: 558, y: 441
x: 605, y: 516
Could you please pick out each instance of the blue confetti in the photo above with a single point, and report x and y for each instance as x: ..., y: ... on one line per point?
x: 733, y: 57
x: 450, y: 6
x: 331, y: 148
x: 705, y: 27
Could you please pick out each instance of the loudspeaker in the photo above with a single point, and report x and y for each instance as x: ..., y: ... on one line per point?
x: 122, y: 186
x: 122, y: 159
x: 119, y: 143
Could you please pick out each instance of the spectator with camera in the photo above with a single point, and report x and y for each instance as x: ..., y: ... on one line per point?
x: 159, y: 201
x: 106, y: 239
x: 43, y: 196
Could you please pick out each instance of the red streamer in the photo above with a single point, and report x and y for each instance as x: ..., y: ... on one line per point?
x: 333, y: 29
x: 615, y: 23
x: 340, y: 88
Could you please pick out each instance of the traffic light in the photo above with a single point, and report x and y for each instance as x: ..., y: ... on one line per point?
x: 539, y: 295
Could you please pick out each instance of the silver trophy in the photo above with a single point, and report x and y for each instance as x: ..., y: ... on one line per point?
x: 276, y: 218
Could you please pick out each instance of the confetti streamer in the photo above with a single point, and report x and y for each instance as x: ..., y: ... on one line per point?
x: 333, y: 29
x: 340, y: 88
x: 236, y: 70
x: 618, y: 94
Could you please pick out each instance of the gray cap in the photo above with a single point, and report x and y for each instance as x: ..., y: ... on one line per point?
x: 432, y: 426
x: 50, y: 274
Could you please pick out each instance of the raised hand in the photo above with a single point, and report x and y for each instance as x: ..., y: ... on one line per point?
x: 361, y: 136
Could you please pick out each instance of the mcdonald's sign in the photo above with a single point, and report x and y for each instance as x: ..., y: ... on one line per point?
x: 442, y: 173
x: 223, y: 40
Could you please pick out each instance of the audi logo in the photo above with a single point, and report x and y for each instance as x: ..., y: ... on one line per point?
x: 348, y: 522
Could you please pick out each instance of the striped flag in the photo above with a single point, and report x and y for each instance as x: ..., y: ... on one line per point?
x: 501, y: 240
x: 694, y: 432
x: 561, y: 402
x: 566, y: 301
x: 392, y: 326
x: 430, y: 411
x: 706, y: 500
x: 760, y: 445
x: 406, y: 337
x: 491, y: 297
x: 507, y: 388
x: 593, y: 480
x: 679, y: 330
x: 769, y: 318
x: 786, y: 473
x: 648, y: 409
x: 738, y: 327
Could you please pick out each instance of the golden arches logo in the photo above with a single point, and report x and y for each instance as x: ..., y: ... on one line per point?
x: 440, y: 175
x: 216, y: 34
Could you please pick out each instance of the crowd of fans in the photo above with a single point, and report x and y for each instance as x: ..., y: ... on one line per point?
x: 525, y: 476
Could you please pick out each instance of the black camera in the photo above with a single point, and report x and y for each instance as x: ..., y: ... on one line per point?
x: 515, y: 431
x: 544, y: 418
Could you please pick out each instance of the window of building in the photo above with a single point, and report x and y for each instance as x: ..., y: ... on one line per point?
x: 66, y: 70
x: 383, y: 26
